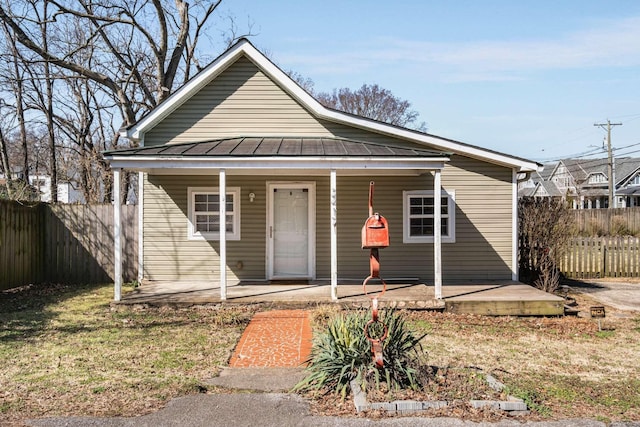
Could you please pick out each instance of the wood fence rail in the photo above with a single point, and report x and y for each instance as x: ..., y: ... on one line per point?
x: 598, y: 257
x: 63, y: 243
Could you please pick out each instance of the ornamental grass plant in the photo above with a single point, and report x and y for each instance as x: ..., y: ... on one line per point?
x: 342, y: 353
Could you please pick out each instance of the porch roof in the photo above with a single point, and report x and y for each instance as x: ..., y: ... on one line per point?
x: 262, y: 153
x: 629, y: 191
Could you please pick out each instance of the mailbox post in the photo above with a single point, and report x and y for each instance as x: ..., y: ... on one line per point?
x: 375, y: 236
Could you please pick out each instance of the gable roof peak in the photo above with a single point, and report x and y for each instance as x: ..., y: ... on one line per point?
x: 243, y: 47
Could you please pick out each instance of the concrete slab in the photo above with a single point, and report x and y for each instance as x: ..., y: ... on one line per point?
x: 277, y: 410
x: 514, y: 295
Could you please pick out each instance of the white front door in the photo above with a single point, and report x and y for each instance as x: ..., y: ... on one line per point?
x: 291, y: 231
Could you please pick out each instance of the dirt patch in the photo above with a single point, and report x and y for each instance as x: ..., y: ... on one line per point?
x: 441, y: 383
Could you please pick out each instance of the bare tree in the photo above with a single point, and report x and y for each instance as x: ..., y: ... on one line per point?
x: 132, y: 51
x: 14, y: 78
x: 144, y: 44
x: 87, y: 123
x: 304, y: 82
x: 373, y: 102
x: 4, y: 163
x: 42, y: 83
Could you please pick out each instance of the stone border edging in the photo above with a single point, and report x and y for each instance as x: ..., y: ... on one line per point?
x: 514, y: 406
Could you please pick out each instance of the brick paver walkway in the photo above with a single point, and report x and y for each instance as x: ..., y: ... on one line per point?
x: 279, y: 338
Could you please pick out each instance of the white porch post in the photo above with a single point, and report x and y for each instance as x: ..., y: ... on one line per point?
x: 334, y: 235
x: 222, y: 192
x: 141, y: 176
x: 437, y: 234
x: 117, y: 237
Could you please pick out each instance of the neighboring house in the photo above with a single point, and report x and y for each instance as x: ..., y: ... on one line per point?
x: 67, y: 193
x: 294, y: 178
x: 628, y: 182
x: 586, y: 182
x: 537, y: 186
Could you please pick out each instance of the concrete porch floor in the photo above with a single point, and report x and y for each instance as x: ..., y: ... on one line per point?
x: 491, y: 298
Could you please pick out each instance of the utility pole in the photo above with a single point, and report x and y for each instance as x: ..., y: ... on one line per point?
x: 610, y: 169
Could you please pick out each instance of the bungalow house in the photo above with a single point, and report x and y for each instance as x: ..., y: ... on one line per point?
x: 245, y: 177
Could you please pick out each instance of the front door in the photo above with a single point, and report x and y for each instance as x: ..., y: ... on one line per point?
x: 290, y: 231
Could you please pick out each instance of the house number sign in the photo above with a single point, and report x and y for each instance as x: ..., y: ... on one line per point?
x: 598, y: 312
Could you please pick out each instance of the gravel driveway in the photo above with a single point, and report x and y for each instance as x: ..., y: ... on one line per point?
x: 618, y: 294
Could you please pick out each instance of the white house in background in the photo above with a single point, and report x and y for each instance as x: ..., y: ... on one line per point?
x: 66, y: 192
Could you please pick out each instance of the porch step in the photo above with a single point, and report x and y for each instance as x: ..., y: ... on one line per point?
x: 507, y: 307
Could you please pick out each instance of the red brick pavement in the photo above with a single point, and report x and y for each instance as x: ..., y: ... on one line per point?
x: 279, y: 338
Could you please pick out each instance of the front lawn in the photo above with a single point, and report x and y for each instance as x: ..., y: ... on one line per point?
x: 65, y: 351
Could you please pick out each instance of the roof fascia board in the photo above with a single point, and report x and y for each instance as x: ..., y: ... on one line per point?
x: 284, y: 172
x: 555, y: 169
x: 629, y: 176
x: 135, y: 162
x: 244, y: 47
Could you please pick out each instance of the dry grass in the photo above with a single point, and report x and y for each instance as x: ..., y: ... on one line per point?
x: 563, y: 367
x: 66, y: 352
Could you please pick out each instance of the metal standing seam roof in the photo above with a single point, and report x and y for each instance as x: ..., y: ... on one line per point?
x: 277, y: 147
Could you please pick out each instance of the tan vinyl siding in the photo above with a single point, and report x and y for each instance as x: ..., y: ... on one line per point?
x: 483, y: 227
x: 242, y: 101
x: 169, y: 255
x: 483, y: 220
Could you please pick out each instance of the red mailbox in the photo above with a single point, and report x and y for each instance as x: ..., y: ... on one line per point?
x: 375, y: 232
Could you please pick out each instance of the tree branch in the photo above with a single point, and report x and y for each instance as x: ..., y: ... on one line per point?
x: 100, y: 78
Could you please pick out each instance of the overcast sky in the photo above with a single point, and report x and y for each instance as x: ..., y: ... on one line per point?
x: 525, y: 77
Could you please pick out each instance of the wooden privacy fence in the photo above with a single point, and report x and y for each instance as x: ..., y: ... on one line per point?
x: 63, y: 243
x: 608, y: 222
x: 598, y: 257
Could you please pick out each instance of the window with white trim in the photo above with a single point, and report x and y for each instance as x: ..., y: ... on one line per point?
x: 597, y: 178
x: 204, y: 213
x: 418, y: 216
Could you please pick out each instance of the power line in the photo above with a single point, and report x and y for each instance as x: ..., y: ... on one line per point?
x: 570, y: 156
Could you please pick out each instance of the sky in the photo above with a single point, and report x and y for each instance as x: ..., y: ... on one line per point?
x: 528, y: 78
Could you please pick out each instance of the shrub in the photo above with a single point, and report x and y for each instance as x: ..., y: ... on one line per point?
x: 342, y: 353
x: 546, y: 225
x: 619, y: 226
x: 593, y: 228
